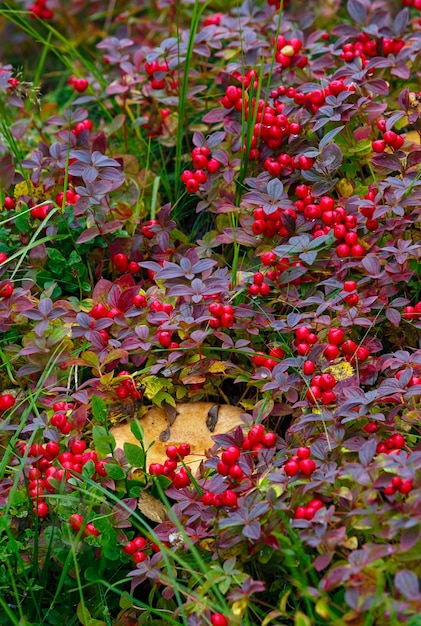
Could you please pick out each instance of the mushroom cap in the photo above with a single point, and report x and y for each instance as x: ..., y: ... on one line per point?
x: 194, y: 423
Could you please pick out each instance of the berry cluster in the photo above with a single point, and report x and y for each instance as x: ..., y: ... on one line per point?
x: 123, y: 265
x: 79, y: 84
x: 80, y: 127
x: 271, y: 126
x: 412, y: 312
x: 59, y: 418
x: 368, y: 211
x: 76, y: 523
x: 39, y: 9
x: 389, y: 139
x: 321, y: 388
x: 284, y: 164
x: 226, y: 498
x: 71, y: 197
x: 288, y: 53
x: 309, y: 511
x: 44, y: 476
x: 391, y: 444
x: 365, y: 48
x: 127, y: 387
x: 157, y: 73
x: 165, y: 339
x: 276, y: 353
x: 412, y: 3
x: 136, y: 549
x: 300, y: 462
x: 397, y: 484
x: 313, y: 100
x: 174, y: 455
x: 202, y: 162
x: 259, y: 287
x: 222, y: 315
x: 271, y: 224
x: 350, y: 287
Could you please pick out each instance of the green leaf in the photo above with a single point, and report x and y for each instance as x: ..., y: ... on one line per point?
x: 104, y: 442
x: 99, y: 409
x: 137, y: 430
x: 162, y: 396
x: 134, y: 454
x: 114, y: 471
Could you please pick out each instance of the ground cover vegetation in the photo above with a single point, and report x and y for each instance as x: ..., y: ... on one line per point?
x: 208, y: 201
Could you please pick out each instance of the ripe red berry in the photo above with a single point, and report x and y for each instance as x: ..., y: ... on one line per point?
x: 336, y: 336
x: 331, y: 352
x: 6, y: 401
x: 236, y: 472
x: 208, y: 498
x: 229, y: 498
x: 255, y: 434
x: 307, y: 466
x: 303, y: 452
x: 291, y: 468
x: 218, y: 619
x: 76, y: 521
x: 129, y: 548
x: 309, y: 367
x: 230, y: 455
x: 139, y: 556
x: 172, y: 452
x: 405, y: 487
x: 269, y: 440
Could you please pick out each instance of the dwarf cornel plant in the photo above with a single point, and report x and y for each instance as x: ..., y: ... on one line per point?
x: 220, y: 202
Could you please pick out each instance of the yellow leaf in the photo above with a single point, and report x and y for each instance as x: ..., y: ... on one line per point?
x: 322, y: 608
x: 217, y: 367
x: 153, y: 385
x: 301, y: 620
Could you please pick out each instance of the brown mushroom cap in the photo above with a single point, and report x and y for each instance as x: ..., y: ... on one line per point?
x: 192, y: 424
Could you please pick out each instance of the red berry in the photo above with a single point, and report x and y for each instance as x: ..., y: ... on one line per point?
x: 52, y: 449
x: 300, y: 512
x: 269, y: 440
x: 309, y: 368
x: 6, y: 401
x: 331, y: 352
x: 303, y: 453
x: 41, y: 510
x: 208, y: 498
x: 139, y: 556
x: 405, y: 487
x: 230, y: 455
x: 236, y: 472
x: 335, y: 336
x: 291, y: 468
x: 78, y: 446
x: 129, y: 548
x: 307, y: 466
x: 222, y: 469
x: 172, y: 452
x: 76, y: 521
x: 218, y: 619
x: 229, y: 498
x: 327, y: 382
x: 255, y: 433
x: 184, y: 450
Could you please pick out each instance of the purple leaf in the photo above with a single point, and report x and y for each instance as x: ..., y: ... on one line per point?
x: 357, y: 11
x: 406, y: 582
